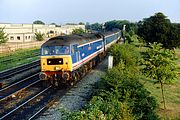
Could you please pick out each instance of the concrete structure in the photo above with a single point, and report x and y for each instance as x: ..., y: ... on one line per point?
x: 26, y: 32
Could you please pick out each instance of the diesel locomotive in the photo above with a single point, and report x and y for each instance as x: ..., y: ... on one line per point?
x: 66, y: 59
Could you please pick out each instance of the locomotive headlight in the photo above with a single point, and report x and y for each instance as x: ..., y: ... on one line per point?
x: 56, y: 68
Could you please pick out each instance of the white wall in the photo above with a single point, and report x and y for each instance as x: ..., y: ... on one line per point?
x: 25, y: 32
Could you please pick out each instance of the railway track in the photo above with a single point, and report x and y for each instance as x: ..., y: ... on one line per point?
x: 7, y: 73
x: 15, y: 94
x: 15, y: 103
x: 10, y: 76
x: 14, y: 88
x: 27, y: 109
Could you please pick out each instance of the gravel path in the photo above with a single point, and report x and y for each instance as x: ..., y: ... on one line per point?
x: 77, y: 96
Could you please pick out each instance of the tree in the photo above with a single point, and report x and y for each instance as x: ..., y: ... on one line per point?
x: 81, y: 23
x: 96, y: 27
x: 159, y: 65
x: 78, y: 31
x: 3, y: 36
x: 38, y: 22
x: 87, y: 26
x: 155, y: 29
x: 39, y: 36
x: 53, y: 24
x: 110, y: 25
x: 175, y: 35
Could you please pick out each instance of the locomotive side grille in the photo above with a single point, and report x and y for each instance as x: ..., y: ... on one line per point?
x: 55, y: 61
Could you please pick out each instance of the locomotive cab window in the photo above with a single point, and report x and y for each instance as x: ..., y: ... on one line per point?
x: 74, y: 49
x: 56, y: 50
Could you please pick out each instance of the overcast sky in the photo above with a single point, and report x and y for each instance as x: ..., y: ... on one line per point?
x: 75, y: 11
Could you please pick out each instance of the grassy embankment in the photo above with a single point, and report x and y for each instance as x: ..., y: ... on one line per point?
x: 172, y: 94
x: 18, y: 57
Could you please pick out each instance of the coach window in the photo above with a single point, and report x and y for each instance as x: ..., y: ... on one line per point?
x: 18, y: 38
x: 89, y: 47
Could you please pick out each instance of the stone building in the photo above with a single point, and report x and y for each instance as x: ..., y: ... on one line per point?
x: 26, y: 32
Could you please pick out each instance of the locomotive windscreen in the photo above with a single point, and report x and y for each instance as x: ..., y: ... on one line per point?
x: 55, y: 61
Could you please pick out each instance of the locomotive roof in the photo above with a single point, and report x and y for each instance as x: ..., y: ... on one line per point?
x: 75, y: 39
x: 72, y: 39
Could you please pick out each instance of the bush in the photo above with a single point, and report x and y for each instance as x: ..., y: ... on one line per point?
x: 127, y: 53
x: 39, y: 36
x: 120, y: 94
x: 125, y: 82
x: 3, y: 36
x: 108, y: 108
x: 78, y: 31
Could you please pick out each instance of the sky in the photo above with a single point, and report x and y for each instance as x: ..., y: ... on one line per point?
x: 92, y: 11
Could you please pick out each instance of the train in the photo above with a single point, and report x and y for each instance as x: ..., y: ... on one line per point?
x: 66, y: 59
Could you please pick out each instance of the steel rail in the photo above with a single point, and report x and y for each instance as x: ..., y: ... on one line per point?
x: 17, y: 82
x: 9, y: 113
x: 13, y: 71
x: 21, y: 89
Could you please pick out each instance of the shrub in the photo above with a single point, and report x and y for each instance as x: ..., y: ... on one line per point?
x: 127, y: 53
x: 125, y: 82
x: 78, y: 31
x: 120, y: 95
x: 108, y: 108
x: 3, y: 36
x: 39, y: 36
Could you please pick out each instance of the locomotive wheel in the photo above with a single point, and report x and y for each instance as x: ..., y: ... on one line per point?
x: 75, y: 76
x: 83, y: 71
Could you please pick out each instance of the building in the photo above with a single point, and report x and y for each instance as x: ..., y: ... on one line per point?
x: 26, y: 32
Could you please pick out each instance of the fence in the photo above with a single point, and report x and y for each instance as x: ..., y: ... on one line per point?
x: 9, y: 47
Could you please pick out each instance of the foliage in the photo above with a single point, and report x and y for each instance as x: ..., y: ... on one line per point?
x: 104, y: 108
x: 174, y: 35
x: 96, y: 27
x: 159, y: 64
x: 122, y: 95
x: 126, y: 52
x: 38, y: 22
x: 3, y: 36
x: 159, y: 29
x: 126, y: 99
x: 110, y: 25
x: 39, y: 36
x: 81, y: 23
x: 78, y: 31
x: 87, y: 26
x: 139, y: 99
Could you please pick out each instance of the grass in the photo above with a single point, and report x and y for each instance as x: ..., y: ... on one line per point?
x: 18, y: 57
x: 172, y: 95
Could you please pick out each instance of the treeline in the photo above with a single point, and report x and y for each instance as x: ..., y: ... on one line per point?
x: 157, y: 28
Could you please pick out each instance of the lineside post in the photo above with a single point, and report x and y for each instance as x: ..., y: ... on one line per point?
x: 110, y: 62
